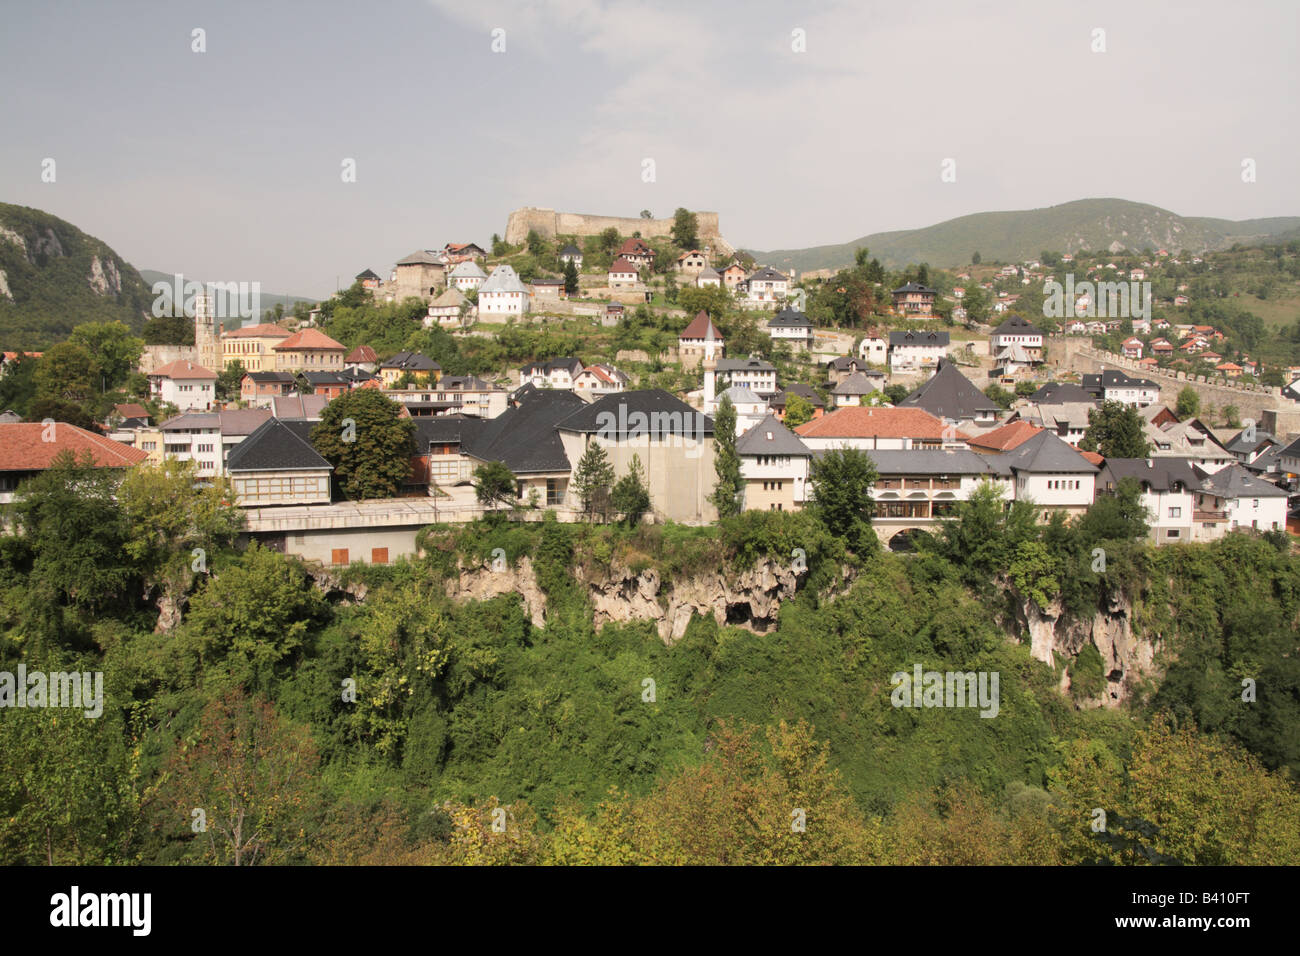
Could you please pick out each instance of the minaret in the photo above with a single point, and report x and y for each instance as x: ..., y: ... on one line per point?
x: 710, y: 369
x: 206, y: 345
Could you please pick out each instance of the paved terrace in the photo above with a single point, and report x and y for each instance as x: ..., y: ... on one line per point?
x: 389, y: 513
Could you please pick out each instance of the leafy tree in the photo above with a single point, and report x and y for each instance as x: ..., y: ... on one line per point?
x: 18, y: 385
x: 75, y: 530
x: 896, y: 393
x: 975, y: 258
x: 1189, y: 403
x: 175, y: 526
x: 646, y: 214
x: 253, y: 774
x: 248, y: 619
x: 1117, y: 517
x: 494, y: 485
x: 996, y: 393
x: 983, y: 536
x: 499, y: 248
x: 593, y: 480
x: 67, y: 373
x: 535, y: 243
x: 686, y: 228
x: 798, y: 410
x: 715, y: 300
x: 58, y: 410
x: 631, y: 496
x: 976, y: 303
x: 168, y: 330
x: 729, y: 487
x: 1025, y: 389
x: 609, y: 240
x: 362, y: 434
x: 842, y: 480
x: 1116, y: 430
x: 570, y: 278
x: 114, y: 349
x: 229, y: 381
x: 1231, y: 416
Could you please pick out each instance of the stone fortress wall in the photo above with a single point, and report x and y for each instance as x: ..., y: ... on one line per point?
x: 550, y: 224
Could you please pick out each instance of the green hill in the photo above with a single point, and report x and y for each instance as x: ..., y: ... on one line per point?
x: 53, y: 277
x: 1112, y: 224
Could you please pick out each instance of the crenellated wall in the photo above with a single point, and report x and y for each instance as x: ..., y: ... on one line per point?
x: 550, y: 224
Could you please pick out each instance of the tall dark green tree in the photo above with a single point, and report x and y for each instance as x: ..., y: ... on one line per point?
x: 494, y: 485
x: 631, y: 495
x: 363, y: 435
x: 1116, y: 430
x: 1189, y: 403
x: 842, y: 480
x: 593, y: 480
x: 686, y: 228
x: 726, y: 463
x: 570, y: 278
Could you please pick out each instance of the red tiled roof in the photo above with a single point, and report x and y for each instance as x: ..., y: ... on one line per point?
x: 360, y: 354
x: 859, y: 422
x: 261, y: 330
x: 308, y: 339
x: 636, y: 247
x: 10, y: 356
x: 699, y: 328
x: 23, y: 447
x: 1093, y: 457
x: 1006, y: 437
x: 181, y: 369
x: 622, y: 265
x: 131, y: 410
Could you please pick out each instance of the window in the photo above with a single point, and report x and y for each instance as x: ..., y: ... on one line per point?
x: 1175, y: 512
x: 1255, y: 503
x: 1172, y: 533
x: 339, y: 556
x: 378, y: 555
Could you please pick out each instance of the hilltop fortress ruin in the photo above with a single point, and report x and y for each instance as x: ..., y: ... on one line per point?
x: 550, y: 224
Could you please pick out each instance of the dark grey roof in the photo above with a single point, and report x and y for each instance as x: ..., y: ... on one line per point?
x: 366, y: 274
x: 447, y: 430
x: 770, y: 437
x: 570, y: 250
x: 950, y: 394
x: 355, y: 375
x: 327, y: 378
x: 750, y: 364
x: 188, y: 420
x: 525, y: 437
x: 461, y: 382
x: 856, y: 384
x: 931, y: 461
x: 1058, y: 393
x: 1113, y: 378
x: 914, y: 287
x: 789, y: 318
x: 1236, y: 482
x: 413, y: 361
x: 850, y: 363
x: 647, y: 412
x: 570, y: 363
x: 1239, y: 445
x: 1157, y: 474
x: 1268, y: 461
x: 919, y: 338
x: 1017, y: 325
x: 277, y: 445
x: 767, y: 274
x: 803, y: 391
x: 421, y: 257
x: 1045, y: 453
x: 1292, y: 450
x: 266, y: 378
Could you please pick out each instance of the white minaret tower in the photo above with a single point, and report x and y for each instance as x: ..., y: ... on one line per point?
x: 710, y: 369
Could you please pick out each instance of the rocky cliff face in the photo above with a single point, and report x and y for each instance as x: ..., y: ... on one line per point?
x: 1126, y: 657
x: 750, y: 599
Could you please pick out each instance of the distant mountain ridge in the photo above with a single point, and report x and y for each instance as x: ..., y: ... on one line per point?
x: 268, y: 299
x: 1013, y: 236
x: 54, y: 277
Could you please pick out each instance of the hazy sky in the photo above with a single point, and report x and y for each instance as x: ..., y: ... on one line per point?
x: 226, y: 164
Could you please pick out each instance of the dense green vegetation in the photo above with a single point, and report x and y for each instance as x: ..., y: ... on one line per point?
x: 49, y: 276
x: 311, y: 728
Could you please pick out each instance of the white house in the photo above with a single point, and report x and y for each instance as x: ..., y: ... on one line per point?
x: 774, y: 464
x: 1169, y: 495
x: 791, y: 326
x: 554, y: 373
x: 692, y: 262
x: 599, y: 379
x: 503, y: 294
x: 467, y: 275
x: 1113, y: 385
x: 451, y: 310
x: 623, y: 274
x: 708, y: 277
x: 752, y: 373
x: 874, y: 349
x: 1250, y: 501
x: 767, y: 286
x: 910, y: 351
x: 188, y: 386
x: 1017, y: 331
x: 750, y: 409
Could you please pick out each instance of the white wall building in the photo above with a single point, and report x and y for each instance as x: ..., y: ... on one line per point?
x: 503, y: 294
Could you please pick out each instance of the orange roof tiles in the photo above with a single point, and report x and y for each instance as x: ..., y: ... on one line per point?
x: 1006, y: 437
x: 261, y: 330
x: 308, y: 339
x: 23, y: 447
x: 181, y: 369
x: 855, y: 421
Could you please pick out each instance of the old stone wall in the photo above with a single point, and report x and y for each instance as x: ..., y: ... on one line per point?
x: 550, y: 224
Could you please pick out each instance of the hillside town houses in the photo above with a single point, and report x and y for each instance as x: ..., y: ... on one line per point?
x: 933, y: 442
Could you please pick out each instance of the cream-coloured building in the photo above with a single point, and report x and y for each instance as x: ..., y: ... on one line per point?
x: 253, y: 346
x: 309, y: 351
